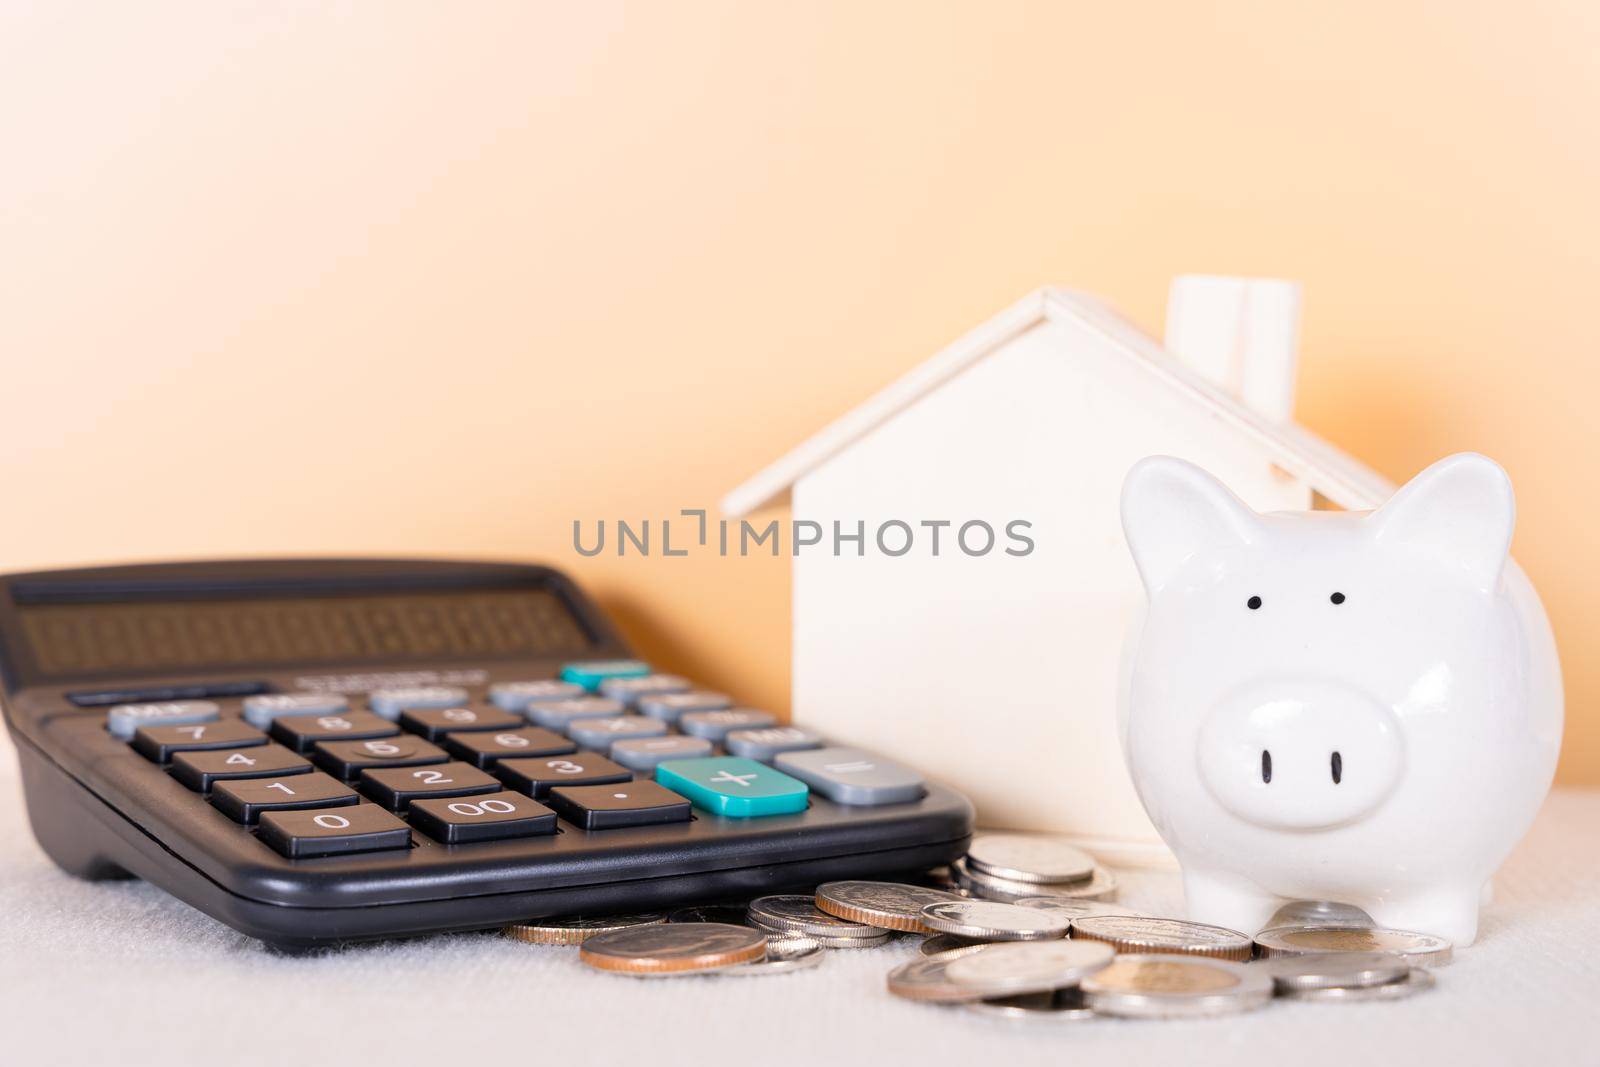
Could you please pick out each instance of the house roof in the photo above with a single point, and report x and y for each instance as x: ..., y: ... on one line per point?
x: 1339, y: 477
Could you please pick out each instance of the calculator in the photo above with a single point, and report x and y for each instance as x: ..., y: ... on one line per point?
x: 318, y: 751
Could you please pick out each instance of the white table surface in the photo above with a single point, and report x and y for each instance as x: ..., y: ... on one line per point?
x: 120, y: 973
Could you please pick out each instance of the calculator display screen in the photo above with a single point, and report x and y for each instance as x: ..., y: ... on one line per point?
x: 67, y: 640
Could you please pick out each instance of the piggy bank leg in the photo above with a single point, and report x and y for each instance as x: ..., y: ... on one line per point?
x: 1227, y: 900
x: 1450, y: 912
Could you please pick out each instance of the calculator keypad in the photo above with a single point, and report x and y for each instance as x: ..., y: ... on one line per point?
x: 348, y: 759
x: 200, y: 770
x: 302, y: 732
x: 434, y: 723
x: 486, y: 749
x: 606, y: 807
x: 244, y: 800
x: 161, y: 743
x: 396, y: 787
x: 301, y: 834
x: 481, y: 818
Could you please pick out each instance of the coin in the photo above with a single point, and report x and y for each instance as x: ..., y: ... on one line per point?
x: 1421, y: 950
x: 1014, y: 967
x: 1029, y: 858
x: 1101, y: 885
x: 924, y: 978
x: 988, y: 920
x: 1334, y: 970
x: 1318, y: 913
x: 576, y: 930
x: 1072, y: 908
x: 888, y: 905
x: 1059, y: 1006
x: 1165, y: 986
x: 938, y: 943
x: 1127, y: 933
x: 673, y: 948
x: 800, y: 914
x: 1414, y: 982
x: 733, y: 914
x: 784, y: 954
x: 883, y: 938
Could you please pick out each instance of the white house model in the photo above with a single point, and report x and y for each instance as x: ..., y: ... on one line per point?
x: 994, y: 664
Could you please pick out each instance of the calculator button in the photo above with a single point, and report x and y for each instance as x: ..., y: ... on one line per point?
x: 391, y: 702
x: 354, y: 828
x: 715, y: 725
x: 200, y: 770
x: 160, y: 743
x: 601, y: 734
x: 395, y: 787
x: 644, y: 753
x: 124, y: 719
x: 243, y: 800
x: 434, y: 723
x: 536, y: 777
x: 559, y: 714
x: 592, y: 673
x: 347, y: 759
x: 516, y: 696
x: 483, y: 749
x: 764, y: 744
x: 261, y: 710
x: 729, y: 785
x: 630, y: 690
x: 606, y: 807
x: 669, y: 706
x: 469, y: 819
x: 852, y: 776
x: 302, y: 732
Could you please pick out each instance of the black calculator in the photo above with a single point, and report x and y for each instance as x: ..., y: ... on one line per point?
x: 316, y: 751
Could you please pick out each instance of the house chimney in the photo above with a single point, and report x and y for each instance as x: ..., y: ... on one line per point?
x: 1242, y: 334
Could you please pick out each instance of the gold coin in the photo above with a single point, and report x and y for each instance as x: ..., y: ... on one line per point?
x: 1418, y: 949
x: 674, y: 948
x: 886, y: 905
x: 577, y: 930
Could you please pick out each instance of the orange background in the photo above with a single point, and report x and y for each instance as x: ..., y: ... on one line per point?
x: 440, y: 279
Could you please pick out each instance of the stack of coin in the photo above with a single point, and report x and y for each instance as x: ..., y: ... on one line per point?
x: 791, y: 915
x: 1011, y: 867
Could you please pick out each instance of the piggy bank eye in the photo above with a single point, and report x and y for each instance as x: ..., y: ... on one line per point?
x: 1337, y: 598
x: 1253, y: 603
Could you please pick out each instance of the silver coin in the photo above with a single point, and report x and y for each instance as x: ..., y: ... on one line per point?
x: 1414, y: 982
x: 846, y: 942
x: 1419, y: 950
x: 734, y: 914
x: 940, y: 943
x: 784, y: 955
x: 888, y: 905
x: 1059, y: 1006
x: 989, y: 920
x: 1029, y: 858
x: 1014, y: 967
x: 1170, y: 987
x: 800, y: 914
x: 1334, y: 970
x: 1318, y: 913
x: 1101, y: 885
x: 674, y: 948
x: 924, y: 978
x: 1071, y: 908
x: 1126, y: 933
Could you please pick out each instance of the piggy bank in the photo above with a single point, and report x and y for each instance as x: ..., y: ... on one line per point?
x: 1355, y: 706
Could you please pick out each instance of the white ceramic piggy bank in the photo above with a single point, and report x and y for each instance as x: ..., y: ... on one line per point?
x: 1362, y: 707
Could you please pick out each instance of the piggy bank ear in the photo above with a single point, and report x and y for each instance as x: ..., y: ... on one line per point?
x: 1173, y: 511
x: 1460, y: 512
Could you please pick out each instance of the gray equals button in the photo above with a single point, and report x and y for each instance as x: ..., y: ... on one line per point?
x: 852, y: 776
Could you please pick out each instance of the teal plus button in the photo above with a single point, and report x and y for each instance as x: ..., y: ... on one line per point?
x: 728, y: 785
x: 591, y: 673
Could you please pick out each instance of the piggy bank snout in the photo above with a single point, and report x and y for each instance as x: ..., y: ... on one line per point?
x: 1300, y: 755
